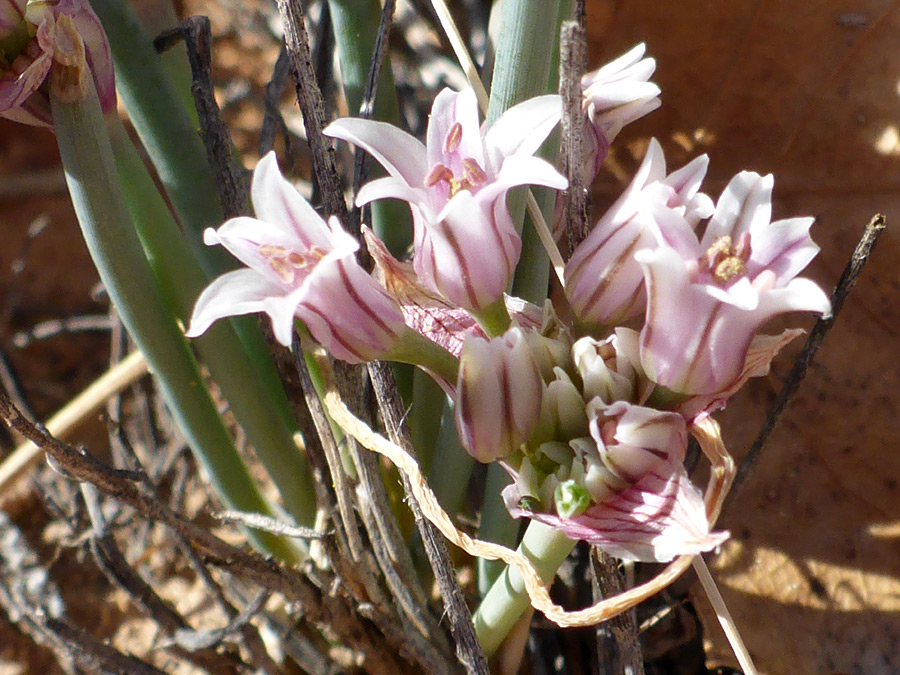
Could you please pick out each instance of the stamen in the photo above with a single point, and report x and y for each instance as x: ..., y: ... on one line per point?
x: 473, y: 175
x: 720, y: 249
x: 438, y: 174
x: 724, y: 261
x: 454, y: 137
x: 291, y: 265
x: 729, y: 269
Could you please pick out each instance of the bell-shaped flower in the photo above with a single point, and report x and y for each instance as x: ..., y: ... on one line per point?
x: 38, y: 37
x: 705, y: 307
x: 626, y: 490
x: 615, y: 95
x: 466, y: 245
x: 432, y: 316
x: 498, y: 395
x: 299, y: 266
x: 604, y: 283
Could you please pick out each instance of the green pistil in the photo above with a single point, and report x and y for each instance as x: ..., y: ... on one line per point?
x: 571, y: 499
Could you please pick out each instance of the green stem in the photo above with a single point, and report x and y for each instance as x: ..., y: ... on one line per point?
x: 528, y: 38
x: 355, y: 31
x: 111, y: 239
x: 160, y: 16
x: 318, y: 381
x: 166, y: 130
x: 532, y: 277
x: 494, y: 318
x: 546, y: 548
x: 450, y: 473
x: 533, y: 271
x: 527, y: 49
x: 496, y: 525
x: 251, y: 386
x: 418, y: 350
x: 173, y: 143
x: 425, y: 418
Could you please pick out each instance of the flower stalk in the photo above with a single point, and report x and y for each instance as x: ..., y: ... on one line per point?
x: 546, y: 547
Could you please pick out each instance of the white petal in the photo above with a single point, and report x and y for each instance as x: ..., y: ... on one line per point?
x: 627, y: 59
x: 242, y: 237
x: 745, y: 206
x: 740, y: 295
x: 449, y: 108
x: 686, y: 180
x: 235, y: 293
x: 800, y: 295
x: 525, y: 171
x: 402, y: 155
x: 389, y: 188
x: 784, y: 247
x: 522, y: 129
x: 278, y: 203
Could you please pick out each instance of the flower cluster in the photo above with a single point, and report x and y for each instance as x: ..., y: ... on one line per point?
x: 590, y: 418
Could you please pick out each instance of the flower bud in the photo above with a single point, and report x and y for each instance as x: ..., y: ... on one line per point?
x: 562, y: 413
x: 623, y: 489
x: 630, y: 442
x: 571, y: 499
x: 498, y: 395
x: 549, y: 353
x: 610, y: 369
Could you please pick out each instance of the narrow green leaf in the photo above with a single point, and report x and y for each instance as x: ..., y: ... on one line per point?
x: 109, y: 233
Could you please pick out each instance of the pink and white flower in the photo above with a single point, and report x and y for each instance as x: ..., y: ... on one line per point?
x: 466, y: 245
x: 299, y: 266
x: 604, y: 283
x: 37, y: 36
x: 625, y: 490
x: 706, y: 305
x: 615, y: 95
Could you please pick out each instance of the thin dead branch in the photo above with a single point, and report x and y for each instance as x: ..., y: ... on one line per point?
x: 844, y: 285
x: 320, y: 607
x: 231, y: 180
x: 572, y: 64
x: 468, y: 649
x: 313, y: 108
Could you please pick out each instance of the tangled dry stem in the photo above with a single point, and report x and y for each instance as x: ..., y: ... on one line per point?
x: 706, y: 431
